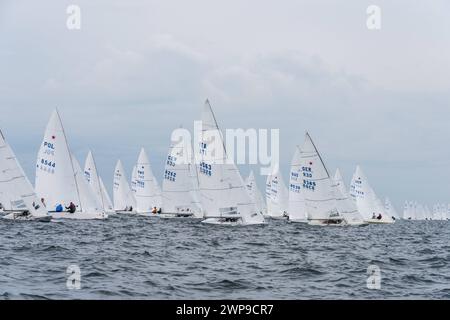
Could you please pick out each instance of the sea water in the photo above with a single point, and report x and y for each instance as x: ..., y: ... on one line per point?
x: 130, y: 257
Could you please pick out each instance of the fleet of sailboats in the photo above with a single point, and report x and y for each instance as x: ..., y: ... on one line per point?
x: 202, y: 183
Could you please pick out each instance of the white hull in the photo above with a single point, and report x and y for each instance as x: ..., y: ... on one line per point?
x: 148, y: 214
x: 167, y: 215
x: 79, y: 215
x: 328, y: 223
x: 126, y: 212
x: 376, y: 221
x: 277, y: 217
x: 224, y: 222
x: 15, y: 216
x: 298, y: 220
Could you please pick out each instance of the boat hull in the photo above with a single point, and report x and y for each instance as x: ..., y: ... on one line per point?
x: 225, y: 222
x: 79, y: 215
x: 14, y: 216
x: 376, y: 221
x: 328, y: 223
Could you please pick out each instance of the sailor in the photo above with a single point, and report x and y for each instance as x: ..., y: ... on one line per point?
x: 43, y: 202
x: 131, y: 208
x: 1, y: 206
x: 59, y: 208
x: 71, y: 208
x: 374, y: 216
x: 159, y: 210
x: 379, y: 216
x: 154, y: 210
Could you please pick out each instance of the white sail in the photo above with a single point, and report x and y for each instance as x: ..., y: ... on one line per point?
x: 59, y: 178
x: 390, y: 209
x: 55, y: 179
x: 124, y: 199
x: 16, y: 191
x: 367, y: 202
x: 345, y: 205
x: 146, y: 189
x: 88, y: 201
x: 255, y: 194
x: 278, y: 199
x: 223, y: 193
x: 93, y: 179
x: 108, y: 205
x: 133, y: 180
x: 179, y: 184
x: 296, y: 207
x: 319, y: 189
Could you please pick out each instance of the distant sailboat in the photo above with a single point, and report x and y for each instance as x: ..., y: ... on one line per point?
x: 180, y: 185
x: 148, y: 201
x: 390, y: 209
x: 17, y: 197
x: 255, y: 194
x: 96, y: 183
x: 59, y: 178
x: 296, y: 203
x: 367, y: 202
x: 124, y: 199
x: 277, y: 196
x: 319, y: 189
x: 345, y: 205
x: 224, y: 197
x: 407, y: 211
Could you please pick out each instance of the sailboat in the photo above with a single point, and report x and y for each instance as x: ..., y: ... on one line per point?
x: 296, y: 204
x: 224, y: 197
x: 345, y: 205
x: 390, y: 209
x: 277, y: 195
x: 96, y: 184
x: 18, y: 199
x: 318, y: 188
x: 408, y: 211
x: 180, y: 185
x: 255, y: 194
x: 367, y: 202
x: 147, y: 194
x: 59, y: 178
x: 124, y: 199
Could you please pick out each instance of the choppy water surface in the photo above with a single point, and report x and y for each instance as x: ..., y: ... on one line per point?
x: 129, y: 257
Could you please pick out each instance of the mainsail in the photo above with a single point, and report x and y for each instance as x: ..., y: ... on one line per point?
x: 124, y: 199
x: 255, y: 194
x: 16, y: 191
x: 180, y: 186
x: 319, y: 189
x: 367, y: 202
x: 93, y: 180
x: 277, y: 195
x: 222, y: 189
x: 345, y: 205
x: 59, y: 177
x: 296, y: 207
x: 147, y: 192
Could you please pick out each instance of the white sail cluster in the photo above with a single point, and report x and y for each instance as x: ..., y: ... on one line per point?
x: 198, y: 182
x: 414, y: 210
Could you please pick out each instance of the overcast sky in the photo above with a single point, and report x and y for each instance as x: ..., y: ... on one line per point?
x: 138, y: 69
